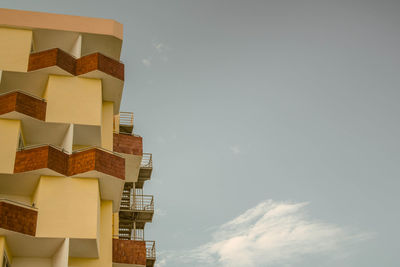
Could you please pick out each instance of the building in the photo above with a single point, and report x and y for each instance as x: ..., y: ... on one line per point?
x: 71, y: 169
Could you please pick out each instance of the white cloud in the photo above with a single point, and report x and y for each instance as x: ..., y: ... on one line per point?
x: 146, y: 62
x: 269, y: 234
x: 160, y: 47
x: 235, y: 149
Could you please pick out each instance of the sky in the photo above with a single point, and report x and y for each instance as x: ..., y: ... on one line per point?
x: 273, y: 126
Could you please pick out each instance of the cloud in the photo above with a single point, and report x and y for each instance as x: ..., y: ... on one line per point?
x: 235, y: 149
x: 269, y: 234
x: 146, y: 62
x: 160, y: 47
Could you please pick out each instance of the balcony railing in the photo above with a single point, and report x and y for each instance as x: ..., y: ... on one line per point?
x: 147, y: 161
x: 126, y: 118
x: 128, y: 233
x: 140, y: 203
x: 124, y: 122
x: 150, y: 249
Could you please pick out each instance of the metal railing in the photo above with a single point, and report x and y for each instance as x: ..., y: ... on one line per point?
x: 150, y: 249
x: 126, y: 118
x: 140, y: 203
x: 147, y: 161
x: 127, y: 233
x: 143, y: 202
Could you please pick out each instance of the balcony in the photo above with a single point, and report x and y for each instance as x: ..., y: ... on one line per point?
x: 22, y: 103
x: 140, y: 208
x: 128, y: 144
x: 146, y: 168
x: 150, y: 253
x: 80, y: 161
x: 58, y: 62
x: 128, y: 252
x: 80, y: 66
x: 123, y: 123
x: 129, y: 231
x: 18, y: 217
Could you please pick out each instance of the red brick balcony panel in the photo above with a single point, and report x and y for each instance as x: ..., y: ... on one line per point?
x: 31, y: 159
x: 128, y: 144
x: 110, y: 164
x: 87, y: 64
x: 23, y: 103
x: 57, y: 160
x: 129, y: 252
x: 8, y: 103
x: 66, y: 62
x: 43, y: 59
x: 31, y: 106
x: 82, y: 162
x: 111, y: 66
x: 69, y: 165
x: 18, y: 219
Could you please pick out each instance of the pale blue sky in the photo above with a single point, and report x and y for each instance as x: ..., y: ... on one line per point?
x: 241, y: 102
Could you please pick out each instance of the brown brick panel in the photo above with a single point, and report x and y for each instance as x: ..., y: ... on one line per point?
x: 82, y: 162
x: 128, y: 144
x: 66, y: 62
x: 57, y: 160
x: 69, y: 165
x: 31, y: 106
x: 8, y: 102
x: 22, y: 103
x: 110, y: 164
x: 111, y: 66
x: 85, y: 64
x: 18, y: 219
x: 43, y: 59
x: 129, y: 252
x: 31, y: 159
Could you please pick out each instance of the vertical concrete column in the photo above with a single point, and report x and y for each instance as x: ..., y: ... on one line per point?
x: 68, y: 139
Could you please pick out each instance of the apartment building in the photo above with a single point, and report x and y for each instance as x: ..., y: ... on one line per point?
x: 72, y: 171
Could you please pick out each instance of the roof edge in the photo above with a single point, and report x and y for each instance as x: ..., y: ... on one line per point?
x: 51, y: 21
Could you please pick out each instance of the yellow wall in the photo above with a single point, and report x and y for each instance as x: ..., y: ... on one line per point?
x: 73, y: 100
x: 107, y: 125
x: 4, y: 247
x: 15, y: 47
x: 31, y: 262
x: 9, y: 137
x: 105, y: 259
x: 67, y: 207
x: 116, y: 224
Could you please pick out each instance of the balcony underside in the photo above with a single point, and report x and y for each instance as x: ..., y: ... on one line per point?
x: 137, y: 216
x: 144, y: 175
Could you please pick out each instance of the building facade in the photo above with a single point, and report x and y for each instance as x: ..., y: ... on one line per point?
x: 71, y: 169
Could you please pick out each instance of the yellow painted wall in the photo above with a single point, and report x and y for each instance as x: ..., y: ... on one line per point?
x: 107, y: 125
x: 15, y: 47
x: 31, y: 262
x: 9, y: 137
x: 105, y: 259
x: 67, y: 207
x: 73, y: 100
x: 116, y: 224
x: 4, y: 248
